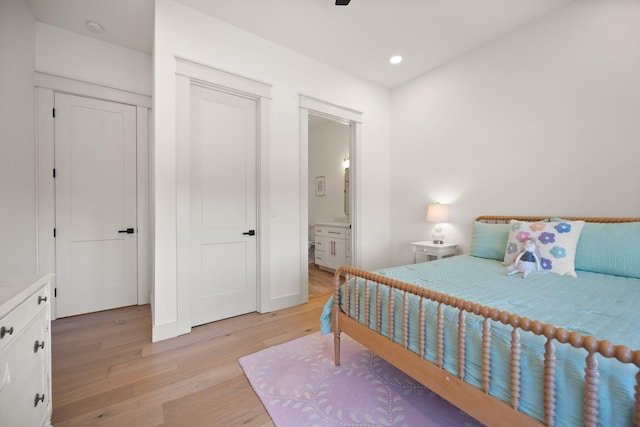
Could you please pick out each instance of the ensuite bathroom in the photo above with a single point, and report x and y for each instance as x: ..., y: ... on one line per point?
x: 329, y: 193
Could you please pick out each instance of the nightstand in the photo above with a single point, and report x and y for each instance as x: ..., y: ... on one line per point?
x: 433, y: 250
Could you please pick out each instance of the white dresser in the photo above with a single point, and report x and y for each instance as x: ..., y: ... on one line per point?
x: 333, y: 244
x: 25, y: 351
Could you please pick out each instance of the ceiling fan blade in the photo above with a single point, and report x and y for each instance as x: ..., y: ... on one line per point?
x: 342, y: 2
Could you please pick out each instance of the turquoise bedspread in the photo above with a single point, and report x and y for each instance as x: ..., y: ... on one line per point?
x: 594, y: 304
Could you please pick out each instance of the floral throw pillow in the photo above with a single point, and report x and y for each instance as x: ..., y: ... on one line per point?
x: 556, y: 243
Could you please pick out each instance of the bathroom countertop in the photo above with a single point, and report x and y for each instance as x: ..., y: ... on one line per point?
x: 334, y: 224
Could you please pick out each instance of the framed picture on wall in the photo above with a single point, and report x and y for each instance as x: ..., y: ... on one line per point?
x: 319, y: 185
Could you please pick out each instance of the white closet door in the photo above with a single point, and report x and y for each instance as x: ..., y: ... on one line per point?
x: 223, y: 205
x: 95, y: 161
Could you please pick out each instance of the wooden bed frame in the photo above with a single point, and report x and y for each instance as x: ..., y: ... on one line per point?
x: 475, y: 401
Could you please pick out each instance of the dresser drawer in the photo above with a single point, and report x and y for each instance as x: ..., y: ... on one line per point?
x: 17, y: 319
x: 334, y: 232
x: 23, y: 375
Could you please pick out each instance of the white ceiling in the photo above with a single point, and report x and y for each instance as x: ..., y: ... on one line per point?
x: 127, y: 23
x: 359, y: 38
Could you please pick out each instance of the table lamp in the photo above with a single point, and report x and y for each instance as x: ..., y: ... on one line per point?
x: 438, y: 213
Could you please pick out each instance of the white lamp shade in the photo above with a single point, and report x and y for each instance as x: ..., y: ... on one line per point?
x: 438, y: 213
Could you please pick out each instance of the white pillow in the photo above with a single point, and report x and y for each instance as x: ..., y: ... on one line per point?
x: 556, y: 242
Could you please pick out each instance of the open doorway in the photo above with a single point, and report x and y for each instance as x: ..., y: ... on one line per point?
x: 328, y: 200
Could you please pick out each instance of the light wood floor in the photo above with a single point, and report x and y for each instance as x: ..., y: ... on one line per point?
x: 320, y: 281
x: 107, y: 372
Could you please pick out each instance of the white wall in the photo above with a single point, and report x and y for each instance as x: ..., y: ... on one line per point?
x: 328, y: 143
x: 27, y: 46
x: 68, y: 54
x: 544, y: 121
x: 184, y: 32
x: 17, y: 140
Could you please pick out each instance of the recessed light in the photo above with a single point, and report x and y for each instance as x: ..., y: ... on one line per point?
x: 396, y: 59
x: 94, y: 27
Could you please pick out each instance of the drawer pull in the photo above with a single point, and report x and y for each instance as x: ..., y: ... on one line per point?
x: 38, y: 398
x: 38, y: 345
x: 41, y: 299
x: 4, y: 331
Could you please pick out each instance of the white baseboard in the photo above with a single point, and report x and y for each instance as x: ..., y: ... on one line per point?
x: 285, y: 302
x: 164, y: 331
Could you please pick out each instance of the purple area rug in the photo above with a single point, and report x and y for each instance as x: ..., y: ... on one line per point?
x: 300, y: 386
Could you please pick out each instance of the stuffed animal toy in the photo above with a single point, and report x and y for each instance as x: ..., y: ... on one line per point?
x: 527, y: 261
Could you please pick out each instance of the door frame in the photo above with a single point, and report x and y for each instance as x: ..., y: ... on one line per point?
x: 46, y: 85
x: 353, y: 118
x: 189, y: 73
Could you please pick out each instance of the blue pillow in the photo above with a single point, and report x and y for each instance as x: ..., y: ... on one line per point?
x: 489, y: 240
x: 610, y: 248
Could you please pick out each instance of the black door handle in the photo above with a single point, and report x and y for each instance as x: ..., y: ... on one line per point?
x: 250, y: 233
x: 128, y: 231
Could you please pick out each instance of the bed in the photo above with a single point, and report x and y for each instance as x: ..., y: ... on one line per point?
x: 556, y: 349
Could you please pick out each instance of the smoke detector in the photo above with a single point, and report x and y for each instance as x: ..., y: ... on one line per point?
x: 94, y: 27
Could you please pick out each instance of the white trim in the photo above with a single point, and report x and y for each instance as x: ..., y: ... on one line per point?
x: 191, y: 73
x: 46, y: 86
x: 164, y: 331
x: 304, y: 205
x: 90, y: 90
x: 222, y: 80
x: 285, y: 302
x: 142, y: 201
x: 353, y: 118
x: 329, y: 110
x: 45, y: 191
x: 356, y: 193
x: 264, y: 205
x: 183, y: 203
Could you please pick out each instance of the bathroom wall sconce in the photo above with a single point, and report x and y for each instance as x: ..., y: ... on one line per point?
x: 438, y: 213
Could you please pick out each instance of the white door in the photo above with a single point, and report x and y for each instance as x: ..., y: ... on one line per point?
x: 223, y: 205
x: 95, y: 176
